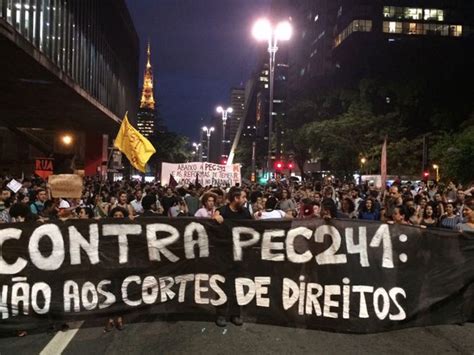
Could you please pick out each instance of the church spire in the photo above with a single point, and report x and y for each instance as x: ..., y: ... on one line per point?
x: 148, y: 101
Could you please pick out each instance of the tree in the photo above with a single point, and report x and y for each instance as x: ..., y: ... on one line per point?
x: 170, y: 147
x: 454, y: 154
x: 296, y: 142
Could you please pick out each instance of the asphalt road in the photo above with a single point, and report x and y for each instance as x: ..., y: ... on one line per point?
x: 205, y: 338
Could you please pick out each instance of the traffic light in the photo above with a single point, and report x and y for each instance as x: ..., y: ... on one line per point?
x: 426, y: 175
x: 278, y: 166
x: 290, y: 166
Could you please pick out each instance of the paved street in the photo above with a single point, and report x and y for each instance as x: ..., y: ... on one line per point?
x: 206, y: 338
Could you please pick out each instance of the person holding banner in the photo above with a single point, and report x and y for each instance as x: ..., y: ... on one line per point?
x: 208, y: 202
x: 234, y: 210
x: 271, y: 212
x: 37, y: 206
x: 122, y: 202
x: 468, y: 212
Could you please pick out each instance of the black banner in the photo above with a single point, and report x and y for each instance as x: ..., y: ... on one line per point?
x: 347, y: 276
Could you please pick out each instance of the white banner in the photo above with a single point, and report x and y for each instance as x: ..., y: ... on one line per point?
x: 207, y: 174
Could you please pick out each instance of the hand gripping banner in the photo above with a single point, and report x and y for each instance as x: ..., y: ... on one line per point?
x: 345, y: 276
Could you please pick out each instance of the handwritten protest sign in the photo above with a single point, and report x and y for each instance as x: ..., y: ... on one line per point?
x: 66, y: 185
x: 206, y: 173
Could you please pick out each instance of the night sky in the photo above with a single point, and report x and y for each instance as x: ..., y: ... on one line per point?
x: 200, y: 50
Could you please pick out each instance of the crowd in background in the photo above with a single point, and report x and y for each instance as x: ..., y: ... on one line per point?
x: 428, y: 205
x: 423, y: 204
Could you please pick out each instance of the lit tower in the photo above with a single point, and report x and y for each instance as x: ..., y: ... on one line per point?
x: 147, y: 113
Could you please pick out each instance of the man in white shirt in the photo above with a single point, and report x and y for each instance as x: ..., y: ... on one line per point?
x: 137, y: 203
x: 271, y: 213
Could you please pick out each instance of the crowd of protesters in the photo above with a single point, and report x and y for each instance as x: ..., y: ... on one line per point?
x: 428, y: 205
x: 422, y: 204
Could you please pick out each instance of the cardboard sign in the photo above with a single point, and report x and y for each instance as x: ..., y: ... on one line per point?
x: 14, y: 185
x: 66, y: 185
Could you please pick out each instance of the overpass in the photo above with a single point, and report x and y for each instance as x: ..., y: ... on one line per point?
x: 67, y: 66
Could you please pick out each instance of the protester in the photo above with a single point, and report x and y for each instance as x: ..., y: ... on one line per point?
x: 192, y: 200
x: 84, y: 213
x: 368, y: 210
x: 122, y: 202
x: 450, y: 219
x: 37, y: 206
x: 149, y: 206
x: 168, y: 201
x: 179, y: 209
x: 137, y: 202
x: 429, y: 220
x: 400, y: 215
x: 271, y: 213
x: 286, y: 203
x: 234, y: 210
x: 468, y: 213
x: 118, y: 212
x: 208, y: 208
x: 347, y: 209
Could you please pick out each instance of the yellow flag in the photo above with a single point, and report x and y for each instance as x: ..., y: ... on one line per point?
x: 134, y: 145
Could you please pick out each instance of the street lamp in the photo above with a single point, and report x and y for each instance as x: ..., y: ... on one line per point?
x: 362, y: 164
x: 224, y: 113
x: 208, y: 133
x: 198, y: 149
x: 436, y: 167
x: 264, y: 31
x: 66, y: 139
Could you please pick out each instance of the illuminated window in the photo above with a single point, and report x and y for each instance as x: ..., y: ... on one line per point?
x: 455, y: 31
x: 392, y: 27
x: 413, y: 13
x: 433, y: 15
x: 388, y: 11
x: 354, y: 26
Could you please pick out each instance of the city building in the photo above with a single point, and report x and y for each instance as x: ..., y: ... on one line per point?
x: 146, y: 116
x: 337, y: 42
x: 67, y: 66
x: 237, y: 102
x: 257, y: 118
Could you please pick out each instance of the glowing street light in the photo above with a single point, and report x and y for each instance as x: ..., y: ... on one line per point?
x: 224, y: 113
x: 66, y: 139
x: 208, y: 134
x: 436, y: 167
x: 198, y: 147
x: 264, y: 31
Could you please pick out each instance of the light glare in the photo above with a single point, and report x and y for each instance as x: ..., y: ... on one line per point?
x: 262, y: 30
x: 284, y: 31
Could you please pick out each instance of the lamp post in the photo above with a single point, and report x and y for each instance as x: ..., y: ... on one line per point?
x: 208, y: 134
x: 436, y: 167
x: 66, y: 139
x: 198, y: 150
x: 224, y: 113
x: 264, y: 31
x: 362, y: 165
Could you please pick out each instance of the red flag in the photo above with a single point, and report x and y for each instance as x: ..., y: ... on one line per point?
x: 172, y: 183
x: 383, y: 164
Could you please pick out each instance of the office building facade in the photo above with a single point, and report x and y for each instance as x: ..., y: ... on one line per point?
x: 67, y: 65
